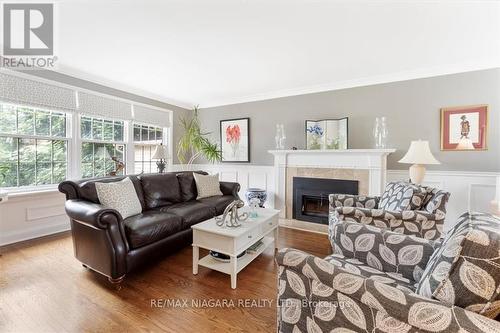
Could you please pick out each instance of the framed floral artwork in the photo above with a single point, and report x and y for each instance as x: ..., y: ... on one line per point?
x: 235, y: 140
x: 327, y: 134
x: 464, y: 128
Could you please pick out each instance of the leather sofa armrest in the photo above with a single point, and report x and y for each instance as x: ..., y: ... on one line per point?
x: 304, y: 281
x: 230, y: 188
x: 69, y: 189
x: 92, y: 214
x: 98, y: 230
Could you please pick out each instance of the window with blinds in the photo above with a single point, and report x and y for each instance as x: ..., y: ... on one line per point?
x: 49, y: 132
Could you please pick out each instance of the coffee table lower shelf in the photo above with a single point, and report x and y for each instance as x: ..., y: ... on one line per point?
x: 233, y: 241
x: 225, y: 267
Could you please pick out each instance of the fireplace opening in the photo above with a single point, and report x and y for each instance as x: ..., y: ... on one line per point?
x: 314, y: 205
x: 310, y: 196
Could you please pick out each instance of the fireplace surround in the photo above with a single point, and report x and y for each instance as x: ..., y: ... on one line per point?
x: 368, y: 166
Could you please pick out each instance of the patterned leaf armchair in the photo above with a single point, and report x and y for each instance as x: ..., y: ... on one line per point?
x: 403, y: 207
x: 380, y: 280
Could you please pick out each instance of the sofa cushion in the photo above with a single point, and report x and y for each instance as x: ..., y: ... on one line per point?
x: 219, y: 203
x: 150, y: 226
x: 465, y: 271
x: 160, y: 189
x: 207, y: 185
x: 87, y: 191
x: 357, y: 267
x: 191, y: 212
x: 382, y: 249
x: 400, y: 196
x: 120, y: 196
x: 188, y: 185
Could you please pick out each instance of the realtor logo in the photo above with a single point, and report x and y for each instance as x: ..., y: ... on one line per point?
x: 28, y: 29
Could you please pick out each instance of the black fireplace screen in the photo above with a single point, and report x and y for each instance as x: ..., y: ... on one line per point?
x: 310, y: 196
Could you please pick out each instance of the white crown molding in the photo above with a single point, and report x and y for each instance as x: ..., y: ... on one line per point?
x: 361, y: 82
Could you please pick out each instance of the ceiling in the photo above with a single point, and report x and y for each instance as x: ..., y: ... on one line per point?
x: 189, y: 52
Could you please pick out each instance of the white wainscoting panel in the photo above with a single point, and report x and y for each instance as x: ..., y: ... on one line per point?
x: 260, y: 176
x: 26, y: 216
x: 470, y: 191
x: 34, y: 215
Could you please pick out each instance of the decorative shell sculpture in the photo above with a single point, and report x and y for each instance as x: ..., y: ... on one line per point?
x: 231, y: 211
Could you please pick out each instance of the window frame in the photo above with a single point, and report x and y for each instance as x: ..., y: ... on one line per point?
x: 67, y: 139
x: 73, y: 142
x: 164, y: 141
x: 81, y: 141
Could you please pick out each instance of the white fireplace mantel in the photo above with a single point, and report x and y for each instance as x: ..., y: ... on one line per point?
x: 373, y: 160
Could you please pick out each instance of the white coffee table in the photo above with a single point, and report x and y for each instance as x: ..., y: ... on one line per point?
x: 233, y: 241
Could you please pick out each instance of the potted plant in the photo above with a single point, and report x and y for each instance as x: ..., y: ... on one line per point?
x: 195, y: 143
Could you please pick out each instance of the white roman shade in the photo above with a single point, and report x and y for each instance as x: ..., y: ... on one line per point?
x: 100, y: 106
x: 144, y: 114
x: 18, y: 90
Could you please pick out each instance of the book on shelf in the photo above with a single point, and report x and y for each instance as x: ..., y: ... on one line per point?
x: 255, y: 247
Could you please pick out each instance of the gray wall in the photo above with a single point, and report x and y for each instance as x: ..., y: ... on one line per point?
x: 84, y: 84
x: 411, y: 107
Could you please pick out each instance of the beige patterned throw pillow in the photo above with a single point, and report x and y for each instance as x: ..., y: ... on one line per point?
x: 207, y: 186
x: 120, y: 196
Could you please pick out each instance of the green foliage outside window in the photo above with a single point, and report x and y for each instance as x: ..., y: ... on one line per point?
x: 96, y: 156
x: 101, y: 129
x: 39, y: 159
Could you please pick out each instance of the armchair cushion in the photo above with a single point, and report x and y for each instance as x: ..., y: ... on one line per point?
x: 402, y: 255
x: 465, y: 271
x: 411, y: 222
x: 400, y: 196
x: 316, y: 296
x: 358, y: 267
x: 347, y: 200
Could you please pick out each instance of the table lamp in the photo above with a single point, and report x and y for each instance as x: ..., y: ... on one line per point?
x: 418, y: 154
x: 161, y: 155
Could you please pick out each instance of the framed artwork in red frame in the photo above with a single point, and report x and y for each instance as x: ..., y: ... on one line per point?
x: 464, y: 128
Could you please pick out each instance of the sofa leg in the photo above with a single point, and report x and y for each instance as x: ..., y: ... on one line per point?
x: 117, y: 282
x: 85, y: 266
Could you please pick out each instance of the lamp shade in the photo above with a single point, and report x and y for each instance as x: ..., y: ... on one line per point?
x: 160, y: 153
x: 419, y: 153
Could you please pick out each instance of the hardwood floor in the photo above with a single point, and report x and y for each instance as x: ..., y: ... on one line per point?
x: 43, y: 288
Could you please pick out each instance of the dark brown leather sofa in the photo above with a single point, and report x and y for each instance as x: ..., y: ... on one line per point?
x: 112, y: 246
